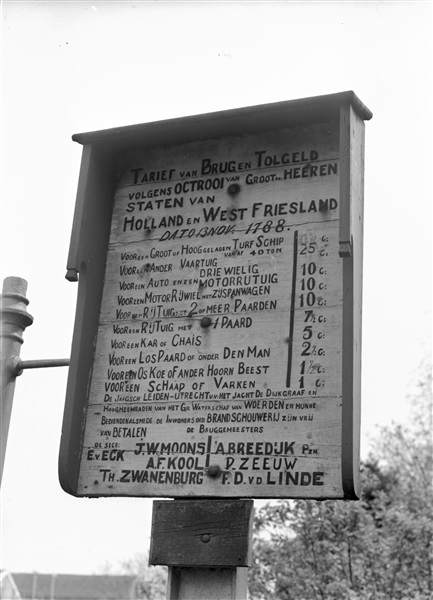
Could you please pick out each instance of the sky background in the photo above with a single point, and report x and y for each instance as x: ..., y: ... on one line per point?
x: 71, y: 67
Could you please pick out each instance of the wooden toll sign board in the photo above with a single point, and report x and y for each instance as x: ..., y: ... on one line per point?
x: 216, y: 349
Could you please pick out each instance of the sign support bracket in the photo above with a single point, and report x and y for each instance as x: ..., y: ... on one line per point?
x: 207, y: 546
x: 17, y: 366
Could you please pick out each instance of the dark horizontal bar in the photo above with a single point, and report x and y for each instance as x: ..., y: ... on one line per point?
x: 41, y: 364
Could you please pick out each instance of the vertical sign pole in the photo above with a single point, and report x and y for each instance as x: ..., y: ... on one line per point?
x: 14, y: 320
x: 186, y: 583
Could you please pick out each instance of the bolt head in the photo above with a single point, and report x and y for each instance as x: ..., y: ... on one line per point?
x: 206, y: 322
x: 233, y: 189
x: 214, y: 471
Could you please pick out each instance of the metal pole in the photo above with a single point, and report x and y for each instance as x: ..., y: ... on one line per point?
x: 14, y: 320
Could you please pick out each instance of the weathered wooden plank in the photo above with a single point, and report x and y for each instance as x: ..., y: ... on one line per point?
x: 210, y: 584
x: 262, y: 266
x: 352, y: 140
x: 222, y: 123
x: 88, y: 249
x: 224, y: 320
x: 212, y: 533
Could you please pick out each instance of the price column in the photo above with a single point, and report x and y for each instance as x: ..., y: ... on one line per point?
x: 315, y: 311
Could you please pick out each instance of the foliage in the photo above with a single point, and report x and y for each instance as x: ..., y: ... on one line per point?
x: 151, y: 581
x: 379, y: 548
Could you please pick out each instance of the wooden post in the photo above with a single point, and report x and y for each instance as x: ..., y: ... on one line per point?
x: 207, y: 546
x: 207, y: 584
x: 14, y: 320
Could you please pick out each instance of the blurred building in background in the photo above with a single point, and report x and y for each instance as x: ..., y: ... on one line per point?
x: 39, y: 586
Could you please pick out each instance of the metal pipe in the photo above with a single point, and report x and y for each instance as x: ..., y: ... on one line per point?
x: 19, y: 365
x: 14, y: 320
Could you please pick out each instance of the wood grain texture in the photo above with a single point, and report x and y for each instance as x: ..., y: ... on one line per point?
x: 264, y: 376
x: 352, y: 139
x: 207, y: 584
x: 212, y: 307
x: 201, y: 533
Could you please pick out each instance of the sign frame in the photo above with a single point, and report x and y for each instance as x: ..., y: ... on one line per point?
x: 91, y: 230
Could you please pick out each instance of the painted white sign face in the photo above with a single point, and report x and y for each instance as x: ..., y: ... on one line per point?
x: 217, y: 369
